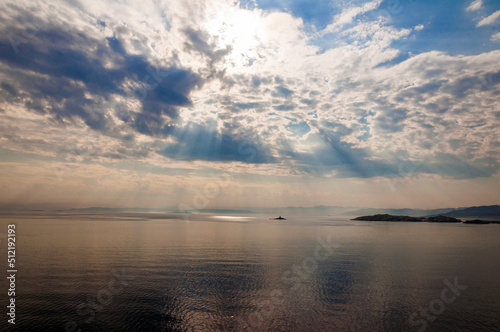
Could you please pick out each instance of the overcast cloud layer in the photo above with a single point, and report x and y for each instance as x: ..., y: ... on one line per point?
x: 299, y: 103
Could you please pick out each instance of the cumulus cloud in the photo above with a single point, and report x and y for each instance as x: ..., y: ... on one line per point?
x: 489, y: 20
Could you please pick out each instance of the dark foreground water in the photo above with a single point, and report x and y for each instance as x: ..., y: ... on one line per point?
x: 224, y: 273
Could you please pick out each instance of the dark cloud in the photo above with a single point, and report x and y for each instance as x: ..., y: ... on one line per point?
x: 150, y: 124
x: 453, y: 166
x: 420, y: 93
x: 282, y: 91
x: 58, y: 70
x: 284, y: 107
x: 349, y: 161
x: 198, y: 41
x: 247, y: 105
x: 197, y: 142
x: 340, y: 157
x: 9, y: 89
x: 256, y: 81
x: 309, y: 102
x: 391, y: 120
x: 462, y: 87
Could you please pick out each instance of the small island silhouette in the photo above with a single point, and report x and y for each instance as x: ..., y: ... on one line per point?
x: 437, y: 219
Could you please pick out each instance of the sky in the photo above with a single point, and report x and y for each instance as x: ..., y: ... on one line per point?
x: 223, y: 104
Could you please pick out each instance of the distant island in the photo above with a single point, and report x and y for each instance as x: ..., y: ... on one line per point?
x: 481, y: 222
x: 437, y: 219
x: 388, y: 217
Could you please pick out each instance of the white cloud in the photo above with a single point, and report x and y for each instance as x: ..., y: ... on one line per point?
x: 490, y: 19
x: 495, y: 37
x: 348, y: 15
x: 419, y: 27
x: 475, y: 5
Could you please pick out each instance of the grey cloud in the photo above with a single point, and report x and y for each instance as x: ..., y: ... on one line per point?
x: 282, y: 91
x: 391, y: 120
x: 285, y: 107
x: 256, y: 81
x: 455, y: 167
x: 309, y: 102
x: 462, y: 87
x: 339, y: 156
x: 46, y: 69
x: 197, y: 142
x: 198, y: 41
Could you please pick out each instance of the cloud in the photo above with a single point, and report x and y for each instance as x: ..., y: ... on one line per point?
x: 489, y: 20
x: 67, y: 76
x: 392, y: 120
x: 172, y: 88
x: 196, y: 142
x: 419, y: 27
x: 495, y: 37
x: 347, y: 16
x: 475, y: 5
x: 452, y: 166
x: 283, y: 91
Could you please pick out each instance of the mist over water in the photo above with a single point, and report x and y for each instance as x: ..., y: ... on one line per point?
x: 142, y: 272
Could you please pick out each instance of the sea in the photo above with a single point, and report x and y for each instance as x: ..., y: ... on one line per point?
x: 245, y: 272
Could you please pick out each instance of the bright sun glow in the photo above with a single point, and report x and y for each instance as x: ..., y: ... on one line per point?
x: 241, y: 30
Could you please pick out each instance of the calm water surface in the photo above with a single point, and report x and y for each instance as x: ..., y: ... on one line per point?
x: 227, y: 273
